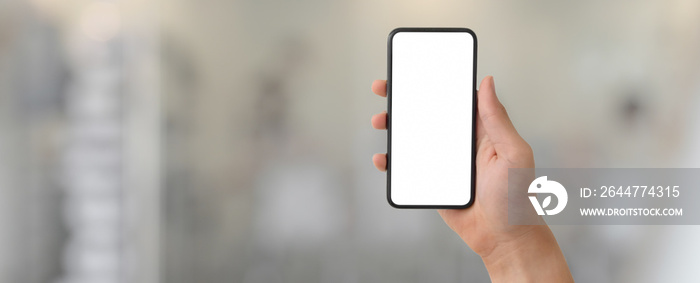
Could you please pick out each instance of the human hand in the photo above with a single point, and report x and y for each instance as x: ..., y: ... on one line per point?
x: 484, y: 226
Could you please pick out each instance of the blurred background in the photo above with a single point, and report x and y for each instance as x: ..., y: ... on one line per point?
x: 229, y: 141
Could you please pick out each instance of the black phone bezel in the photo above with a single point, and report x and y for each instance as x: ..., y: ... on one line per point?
x: 388, y: 122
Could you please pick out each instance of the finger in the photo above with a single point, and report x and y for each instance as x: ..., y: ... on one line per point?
x: 379, y: 161
x: 379, y: 87
x: 495, y: 120
x: 480, y: 133
x: 379, y: 121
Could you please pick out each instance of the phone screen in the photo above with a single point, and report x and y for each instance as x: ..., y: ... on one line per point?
x: 431, y: 117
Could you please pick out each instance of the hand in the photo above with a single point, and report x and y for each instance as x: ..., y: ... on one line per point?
x: 484, y: 225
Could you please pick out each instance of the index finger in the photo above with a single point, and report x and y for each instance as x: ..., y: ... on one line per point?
x: 379, y: 87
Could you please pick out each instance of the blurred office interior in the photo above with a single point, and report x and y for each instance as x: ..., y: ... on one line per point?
x: 229, y: 141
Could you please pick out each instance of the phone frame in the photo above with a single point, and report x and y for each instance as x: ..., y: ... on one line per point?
x: 388, y: 119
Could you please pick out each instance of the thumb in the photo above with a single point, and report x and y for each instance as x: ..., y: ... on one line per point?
x: 497, y: 124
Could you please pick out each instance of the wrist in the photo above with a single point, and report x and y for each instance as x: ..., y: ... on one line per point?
x: 533, y: 256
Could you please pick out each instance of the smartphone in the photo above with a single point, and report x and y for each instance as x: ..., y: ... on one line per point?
x: 431, y: 117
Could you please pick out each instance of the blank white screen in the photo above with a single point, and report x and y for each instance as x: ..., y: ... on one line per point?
x: 431, y: 118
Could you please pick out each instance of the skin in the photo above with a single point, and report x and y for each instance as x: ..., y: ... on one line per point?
x: 511, y: 253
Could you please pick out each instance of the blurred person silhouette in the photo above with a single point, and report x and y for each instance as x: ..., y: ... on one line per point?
x: 511, y: 253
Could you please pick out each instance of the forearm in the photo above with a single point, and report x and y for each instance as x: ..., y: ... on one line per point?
x: 534, y: 257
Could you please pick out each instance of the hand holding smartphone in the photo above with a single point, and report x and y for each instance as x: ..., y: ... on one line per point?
x: 431, y: 117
